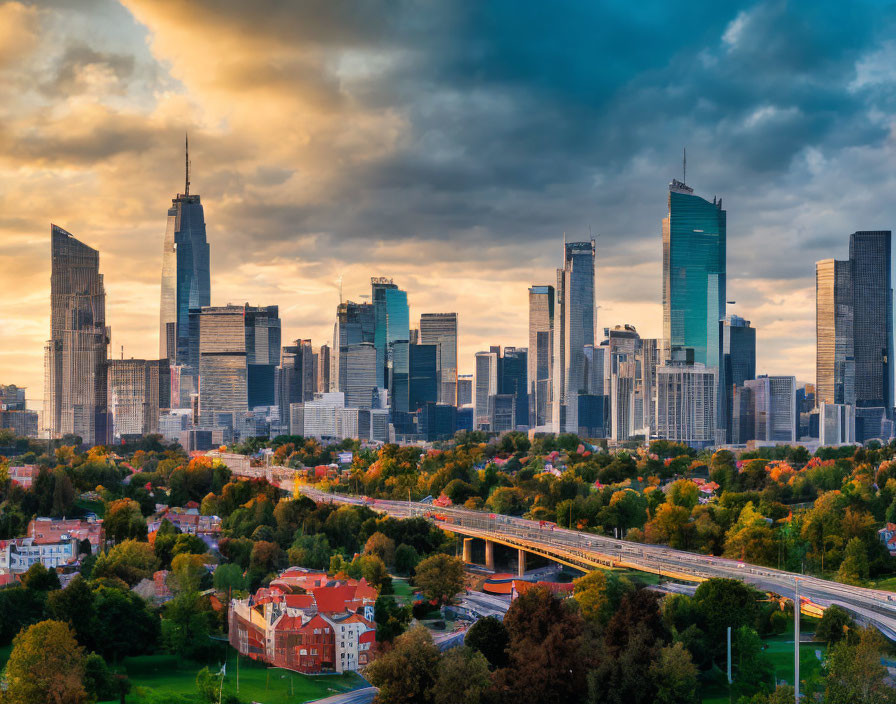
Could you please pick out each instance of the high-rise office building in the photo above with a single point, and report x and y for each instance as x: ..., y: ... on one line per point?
x: 766, y: 410
x: 649, y: 357
x: 836, y: 423
x: 185, y: 286
x: 573, y: 330
x: 295, y: 379
x: 139, y: 390
x: 75, y: 388
x: 238, y: 351
x: 870, y: 264
x: 512, y: 380
x: 14, y: 413
x: 392, y: 324
x: 686, y: 401
x: 738, y: 345
x: 355, y: 325
x: 360, y: 375
x: 464, y: 390
x: 835, y: 358
x: 423, y: 385
x: 694, y: 275
x: 485, y: 384
x: 541, y: 350
x: 322, y: 382
x: 502, y: 413
x: 440, y: 329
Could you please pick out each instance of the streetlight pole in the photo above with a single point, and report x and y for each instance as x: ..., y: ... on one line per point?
x: 796, y: 639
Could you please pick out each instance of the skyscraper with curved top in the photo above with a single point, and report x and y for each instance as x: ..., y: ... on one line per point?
x: 185, y: 287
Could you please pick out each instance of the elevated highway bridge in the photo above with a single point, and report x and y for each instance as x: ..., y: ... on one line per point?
x: 586, y: 551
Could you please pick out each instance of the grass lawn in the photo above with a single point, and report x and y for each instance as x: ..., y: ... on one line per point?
x: 97, y: 507
x: 886, y: 584
x: 404, y: 592
x: 780, y: 651
x: 166, y: 674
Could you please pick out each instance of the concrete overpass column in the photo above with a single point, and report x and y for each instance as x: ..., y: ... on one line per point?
x: 468, y: 550
x: 520, y: 562
x: 490, y: 555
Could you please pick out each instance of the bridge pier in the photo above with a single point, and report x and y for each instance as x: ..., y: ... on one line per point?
x: 490, y: 555
x: 520, y: 562
x: 468, y: 550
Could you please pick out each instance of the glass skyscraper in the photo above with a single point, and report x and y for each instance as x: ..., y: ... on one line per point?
x: 739, y: 362
x: 185, y: 286
x: 390, y: 305
x: 694, y: 273
x: 541, y: 351
x: 834, y: 356
x: 869, y: 258
x: 573, y: 330
x: 75, y: 371
x: 355, y: 325
x: 440, y: 329
x: 513, y: 374
x: 423, y: 384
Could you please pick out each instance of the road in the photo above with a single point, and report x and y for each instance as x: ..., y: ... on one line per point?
x: 587, y: 551
x: 356, y: 696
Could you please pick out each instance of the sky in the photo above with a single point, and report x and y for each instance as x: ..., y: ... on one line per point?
x: 448, y: 145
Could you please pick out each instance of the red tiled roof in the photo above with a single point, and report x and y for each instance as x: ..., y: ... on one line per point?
x: 333, y: 599
x: 298, y: 601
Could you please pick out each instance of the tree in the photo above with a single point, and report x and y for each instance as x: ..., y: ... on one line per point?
x: 123, y: 625
x: 229, y: 577
x: 390, y: 618
x: 100, y: 682
x: 46, y: 665
x: 854, y: 673
x: 130, y: 561
x: 854, y: 567
x: 373, y: 569
x: 187, y: 571
x: 751, y: 538
x: 41, y: 579
x: 835, y: 625
x: 684, y: 493
x: 407, y: 672
x: 124, y: 520
x: 546, y: 637
x: 440, y: 577
x: 406, y: 559
x: 489, y: 636
x: 74, y: 605
x: 462, y: 677
x: 725, y: 602
x: 381, y: 546
x: 186, y: 544
x: 310, y: 551
x: 754, y: 669
x: 675, y: 676
x: 186, y: 626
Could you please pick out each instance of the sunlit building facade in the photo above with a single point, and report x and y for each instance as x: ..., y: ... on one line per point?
x: 440, y: 329
x: 541, y: 351
x: 75, y: 387
x: 835, y: 358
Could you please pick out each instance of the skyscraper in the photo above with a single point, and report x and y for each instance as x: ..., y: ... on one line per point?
x: 138, y: 390
x: 322, y: 383
x: 355, y: 325
x: 76, y: 393
x: 423, y: 385
x: 485, y: 384
x: 441, y: 329
x: 738, y: 346
x: 541, y: 350
x: 573, y: 330
x: 835, y: 359
x: 685, y: 402
x: 185, y: 286
x: 295, y: 380
x: 238, y: 346
x: 694, y: 273
x: 870, y: 265
x: 513, y: 373
x: 392, y: 324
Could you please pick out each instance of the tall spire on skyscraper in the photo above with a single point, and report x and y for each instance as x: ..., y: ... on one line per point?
x: 187, y: 164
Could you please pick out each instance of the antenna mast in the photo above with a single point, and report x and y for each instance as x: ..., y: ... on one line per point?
x: 186, y: 164
x: 684, y: 166
x: 340, y: 289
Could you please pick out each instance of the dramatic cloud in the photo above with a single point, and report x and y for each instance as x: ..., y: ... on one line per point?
x: 449, y: 145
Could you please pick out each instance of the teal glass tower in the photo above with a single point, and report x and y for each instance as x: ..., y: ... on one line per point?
x: 391, y: 336
x: 694, y: 277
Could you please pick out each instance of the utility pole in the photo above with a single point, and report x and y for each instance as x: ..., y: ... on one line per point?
x: 729, y: 655
x: 796, y: 639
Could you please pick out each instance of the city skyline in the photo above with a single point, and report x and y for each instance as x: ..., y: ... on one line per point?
x: 271, y: 196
